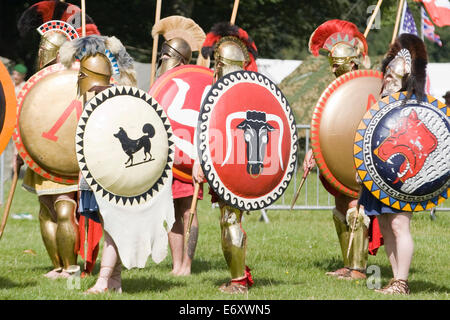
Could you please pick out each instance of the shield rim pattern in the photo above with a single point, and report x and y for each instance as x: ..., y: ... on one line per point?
x: 38, y: 76
x: 11, y: 111
x: 358, y: 157
x: 161, y: 82
x: 215, y: 93
x: 95, y: 186
x: 315, y: 126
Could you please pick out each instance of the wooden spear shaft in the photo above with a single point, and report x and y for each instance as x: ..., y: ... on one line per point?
x: 372, y: 18
x: 83, y: 18
x: 19, y: 163
x: 234, y: 13
x: 192, y: 213
x: 397, y: 20
x: 155, y: 44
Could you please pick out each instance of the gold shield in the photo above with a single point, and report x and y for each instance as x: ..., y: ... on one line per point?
x: 48, y: 110
x: 333, y: 127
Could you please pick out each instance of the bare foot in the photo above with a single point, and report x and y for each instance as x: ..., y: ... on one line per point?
x: 53, y: 274
x: 184, y: 272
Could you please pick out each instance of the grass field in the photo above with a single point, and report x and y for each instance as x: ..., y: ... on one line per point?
x: 288, y: 257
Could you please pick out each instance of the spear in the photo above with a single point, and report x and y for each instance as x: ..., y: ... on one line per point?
x: 372, y: 18
x: 155, y: 44
x: 234, y: 13
x: 192, y: 213
x: 305, y: 175
x: 19, y: 163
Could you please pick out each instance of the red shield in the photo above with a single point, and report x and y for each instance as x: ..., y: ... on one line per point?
x: 180, y: 92
x: 7, y: 107
x: 247, y: 140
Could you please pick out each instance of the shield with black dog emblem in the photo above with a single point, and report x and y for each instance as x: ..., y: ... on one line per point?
x: 124, y: 145
x: 402, y: 151
x: 247, y: 140
x: 7, y: 107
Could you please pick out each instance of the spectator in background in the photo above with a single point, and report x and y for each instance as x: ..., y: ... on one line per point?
x: 446, y: 96
x: 18, y: 76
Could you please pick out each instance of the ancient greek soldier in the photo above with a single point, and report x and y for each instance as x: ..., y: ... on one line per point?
x: 182, y: 37
x: 346, y: 49
x: 99, y: 56
x: 232, y: 50
x: 57, y: 214
x: 404, y: 69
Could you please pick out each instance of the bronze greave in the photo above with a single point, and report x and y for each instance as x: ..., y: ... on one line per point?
x: 234, y: 240
x: 359, y: 252
x: 343, y: 234
x: 67, y: 237
x: 48, y: 232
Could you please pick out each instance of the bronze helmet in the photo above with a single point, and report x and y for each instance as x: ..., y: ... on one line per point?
x: 230, y: 55
x: 95, y: 70
x: 174, y: 52
x: 49, y: 47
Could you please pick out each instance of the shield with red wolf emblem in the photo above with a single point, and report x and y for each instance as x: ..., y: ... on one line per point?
x: 48, y: 112
x: 180, y: 92
x: 124, y: 146
x: 402, y: 151
x: 334, y: 122
x: 247, y: 140
x: 7, y: 107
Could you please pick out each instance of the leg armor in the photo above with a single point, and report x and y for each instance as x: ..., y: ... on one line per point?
x: 343, y: 234
x: 359, y: 251
x: 48, y: 231
x: 67, y: 237
x: 234, y: 240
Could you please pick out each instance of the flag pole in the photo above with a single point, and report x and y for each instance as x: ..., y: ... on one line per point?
x: 397, y: 20
x: 155, y: 43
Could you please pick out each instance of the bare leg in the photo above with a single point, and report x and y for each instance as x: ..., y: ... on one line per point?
x: 109, y: 276
x: 404, y: 248
x: 176, y: 239
x: 389, y: 241
x: 182, y: 260
x: 188, y: 255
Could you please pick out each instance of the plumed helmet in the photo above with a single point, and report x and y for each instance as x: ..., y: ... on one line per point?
x: 406, y: 58
x: 342, y: 42
x: 223, y: 41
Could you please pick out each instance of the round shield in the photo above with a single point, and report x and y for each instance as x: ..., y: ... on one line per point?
x: 7, y: 107
x: 180, y: 92
x: 49, y: 108
x: 402, y: 152
x: 247, y: 140
x: 124, y: 145
x: 335, y: 119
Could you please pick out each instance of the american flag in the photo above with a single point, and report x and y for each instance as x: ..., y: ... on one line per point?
x: 407, y: 24
x: 428, y: 29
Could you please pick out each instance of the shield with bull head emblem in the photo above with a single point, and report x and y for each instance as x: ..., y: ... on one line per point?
x: 402, y: 151
x: 180, y: 92
x: 247, y: 140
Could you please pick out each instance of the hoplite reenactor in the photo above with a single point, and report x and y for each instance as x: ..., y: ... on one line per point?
x: 46, y: 128
x: 402, y: 154
x: 248, y: 123
x: 179, y: 89
x: 334, y: 121
x: 124, y: 151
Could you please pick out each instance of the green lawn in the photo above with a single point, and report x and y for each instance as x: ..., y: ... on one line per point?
x: 288, y: 257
